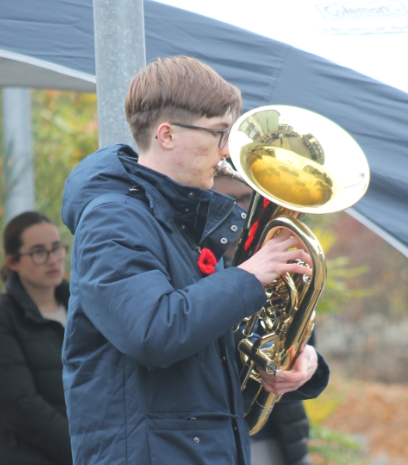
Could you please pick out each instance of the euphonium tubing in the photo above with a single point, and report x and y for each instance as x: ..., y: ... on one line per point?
x: 297, y: 162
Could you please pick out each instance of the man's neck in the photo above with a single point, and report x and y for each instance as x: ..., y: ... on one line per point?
x: 152, y: 163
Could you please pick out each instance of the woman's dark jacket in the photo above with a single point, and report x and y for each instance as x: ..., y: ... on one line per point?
x: 33, y: 422
x: 149, y: 357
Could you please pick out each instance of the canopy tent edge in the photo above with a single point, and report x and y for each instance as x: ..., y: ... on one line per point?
x: 47, y: 65
x: 394, y: 242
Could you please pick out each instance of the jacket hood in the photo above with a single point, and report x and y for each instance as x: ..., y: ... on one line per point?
x: 96, y: 175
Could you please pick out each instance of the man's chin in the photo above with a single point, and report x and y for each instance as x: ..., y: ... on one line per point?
x: 205, y: 183
x: 210, y: 183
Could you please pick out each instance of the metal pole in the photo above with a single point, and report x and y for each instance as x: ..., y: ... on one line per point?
x: 18, y: 154
x: 119, y: 55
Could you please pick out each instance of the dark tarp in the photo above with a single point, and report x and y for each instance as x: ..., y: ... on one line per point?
x: 56, y: 36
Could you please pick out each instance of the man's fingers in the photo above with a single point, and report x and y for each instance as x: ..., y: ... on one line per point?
x: 278, y: 391
x: 290, y: 249
x: 296, y: 254
x: 280, y: 388
x: 299, y: 269
x: 289, y: 381
x: 294, y: 376
x: 283, y: 235
x: 287, y: 243
x: 286, y: 377
x: 300, y: 365
x: 293, y: 241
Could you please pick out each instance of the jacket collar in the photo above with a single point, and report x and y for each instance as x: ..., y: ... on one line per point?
x: 170, y: 200
x: 17, y: 292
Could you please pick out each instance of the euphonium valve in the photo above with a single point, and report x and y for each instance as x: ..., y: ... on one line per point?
x: 297, y: 162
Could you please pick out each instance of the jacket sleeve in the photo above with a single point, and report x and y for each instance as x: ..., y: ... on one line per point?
x: 126, y: 292
x: 23, y: 411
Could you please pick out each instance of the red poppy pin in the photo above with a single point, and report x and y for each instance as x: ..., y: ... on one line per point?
x: 206, y: 262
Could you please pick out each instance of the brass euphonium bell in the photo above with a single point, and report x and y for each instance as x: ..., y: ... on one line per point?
x: 297, y: 162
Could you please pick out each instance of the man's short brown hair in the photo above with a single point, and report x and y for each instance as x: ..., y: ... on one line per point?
x: 178, y: 88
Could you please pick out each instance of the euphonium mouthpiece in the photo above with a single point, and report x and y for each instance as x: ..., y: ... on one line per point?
x: 223, y: 168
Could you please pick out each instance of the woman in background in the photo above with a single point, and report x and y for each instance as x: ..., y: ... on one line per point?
x: 33, y: 421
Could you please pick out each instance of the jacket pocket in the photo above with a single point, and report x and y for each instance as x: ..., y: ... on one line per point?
x: 193, y: 440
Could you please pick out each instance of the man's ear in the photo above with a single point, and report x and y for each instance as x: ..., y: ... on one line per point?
x: 165, y: 136
x: 12, y: 262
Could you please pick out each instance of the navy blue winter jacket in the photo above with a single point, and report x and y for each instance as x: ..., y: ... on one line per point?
x: 149, y: 370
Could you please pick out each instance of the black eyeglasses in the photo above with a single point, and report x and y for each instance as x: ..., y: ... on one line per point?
x: 224, y: 133
x: 41, y: 256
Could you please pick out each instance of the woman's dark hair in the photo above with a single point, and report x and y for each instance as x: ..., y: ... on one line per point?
x: 12, y: 235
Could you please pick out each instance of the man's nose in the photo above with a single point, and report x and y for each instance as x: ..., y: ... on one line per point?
x: 225, y: 151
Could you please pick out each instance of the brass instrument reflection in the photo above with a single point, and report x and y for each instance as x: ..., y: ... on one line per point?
x: 285, y: 163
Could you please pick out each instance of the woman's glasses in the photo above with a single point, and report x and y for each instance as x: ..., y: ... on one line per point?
x: 41, y: 256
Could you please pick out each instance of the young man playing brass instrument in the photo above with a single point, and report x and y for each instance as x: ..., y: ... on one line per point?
x: 149, y: 370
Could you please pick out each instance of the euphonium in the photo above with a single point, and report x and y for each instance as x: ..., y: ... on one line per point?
x: 297, y: 162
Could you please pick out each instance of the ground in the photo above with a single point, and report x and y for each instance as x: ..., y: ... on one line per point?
x: 376, y: 414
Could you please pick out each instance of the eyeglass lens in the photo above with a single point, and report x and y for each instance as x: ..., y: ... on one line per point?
x: 224, y: 137
x: 40, y: 257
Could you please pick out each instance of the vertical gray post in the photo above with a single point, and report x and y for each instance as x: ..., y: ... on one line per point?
x: 18, y: 164
x: 119, y: 55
